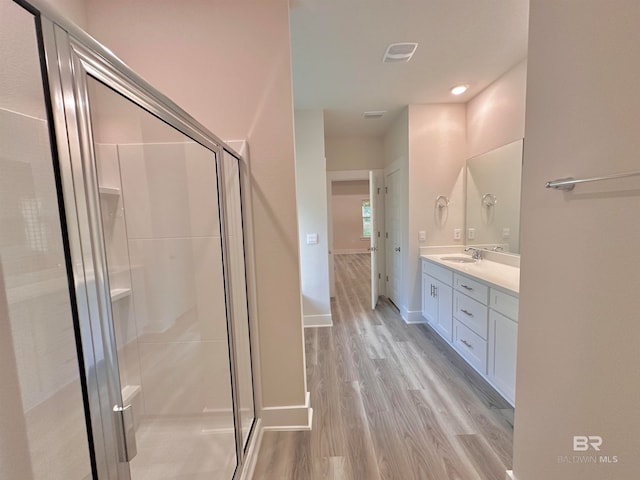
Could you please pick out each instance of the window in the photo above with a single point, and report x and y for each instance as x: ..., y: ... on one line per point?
x: 366, y: 219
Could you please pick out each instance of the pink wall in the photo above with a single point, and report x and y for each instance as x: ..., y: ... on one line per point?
x: 436, y: 167
x: 74, y: 10
x: 346, y: 201
x: 578, y: 327
x: 354, y: 153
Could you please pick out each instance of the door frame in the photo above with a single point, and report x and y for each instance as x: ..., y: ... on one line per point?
x: 345, y: 176
x: 397, y: 166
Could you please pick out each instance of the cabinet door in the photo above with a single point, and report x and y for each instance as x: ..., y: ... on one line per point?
x: 429, y: 299
x: 503, y: 335
x: 444, y: 298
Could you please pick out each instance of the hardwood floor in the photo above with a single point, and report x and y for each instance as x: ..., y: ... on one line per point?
x: 390, y: 400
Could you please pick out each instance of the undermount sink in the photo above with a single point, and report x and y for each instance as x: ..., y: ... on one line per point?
x: 459, y: 259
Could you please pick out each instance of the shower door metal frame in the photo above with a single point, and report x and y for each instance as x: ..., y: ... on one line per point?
x: 71, y: 55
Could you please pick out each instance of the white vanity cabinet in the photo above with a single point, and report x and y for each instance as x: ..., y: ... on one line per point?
x: 470, y: 314
x: 437, y: 298
x: 477, y: 318
x: 503, y: 337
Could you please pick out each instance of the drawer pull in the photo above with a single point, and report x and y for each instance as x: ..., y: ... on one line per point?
x: 466, y: 287
x: 466, y: 313
x: 467, y: 344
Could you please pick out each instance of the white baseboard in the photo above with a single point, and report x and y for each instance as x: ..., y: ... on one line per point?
x: 351, y: 251
x: 289, y: 418
x: 317, y: 321
x: 414, y: 316
x: 510, y: 475
x: 252, y: 453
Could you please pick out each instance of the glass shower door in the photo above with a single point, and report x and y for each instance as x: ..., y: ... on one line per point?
x: 43, y: 431
x: 237, y: 289
x: 159, y: 210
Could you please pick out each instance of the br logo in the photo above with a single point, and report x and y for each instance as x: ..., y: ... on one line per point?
x: 583, y: 443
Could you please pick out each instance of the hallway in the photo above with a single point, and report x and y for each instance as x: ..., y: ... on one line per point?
x: 390, y: 400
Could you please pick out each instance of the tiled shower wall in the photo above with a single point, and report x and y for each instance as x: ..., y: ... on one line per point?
x: 172, y: 329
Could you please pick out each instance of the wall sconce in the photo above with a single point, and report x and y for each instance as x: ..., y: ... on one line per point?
x: 489, y: 200
x: 441, y: 212
x: 442, y: 201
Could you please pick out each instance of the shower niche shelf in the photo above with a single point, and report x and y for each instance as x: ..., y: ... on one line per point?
x: 120, y: 293
x: 114, y: 191
x: 129, y: 393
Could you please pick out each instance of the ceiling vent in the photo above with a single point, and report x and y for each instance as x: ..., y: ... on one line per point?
x: 399, y: 52
x: 374, y: 114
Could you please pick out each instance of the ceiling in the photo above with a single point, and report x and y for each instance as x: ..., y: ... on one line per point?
x: 337, y: 48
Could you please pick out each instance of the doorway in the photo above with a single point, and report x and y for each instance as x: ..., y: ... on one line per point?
x: 356, y: 223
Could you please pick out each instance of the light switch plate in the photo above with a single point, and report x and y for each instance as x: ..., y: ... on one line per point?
x: 471, y: 234
x: 457, y: 233
x: 506, y: 232
x: 422, y: 236
x: 312, y: 238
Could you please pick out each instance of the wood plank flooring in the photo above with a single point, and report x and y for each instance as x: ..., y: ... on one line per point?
x: 390, y: 400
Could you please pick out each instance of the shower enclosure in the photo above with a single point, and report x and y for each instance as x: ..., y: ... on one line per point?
x: 126, y: 350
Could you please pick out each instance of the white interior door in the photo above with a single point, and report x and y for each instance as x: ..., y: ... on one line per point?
x: 373, y: 240
x: 374, y: 192
x: 332, y: 279
x: 392, y: 234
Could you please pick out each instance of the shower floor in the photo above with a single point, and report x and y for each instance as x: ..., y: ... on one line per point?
x: 184, y: 448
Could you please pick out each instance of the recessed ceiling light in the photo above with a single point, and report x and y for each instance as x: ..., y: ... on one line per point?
x: 399, y: 52
x: 459, y: 89
x: 374, y: 114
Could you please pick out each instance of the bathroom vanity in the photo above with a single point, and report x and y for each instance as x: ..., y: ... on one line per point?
x: 473, y: 306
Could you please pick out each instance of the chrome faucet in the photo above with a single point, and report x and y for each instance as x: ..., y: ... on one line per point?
x: 476, y: 253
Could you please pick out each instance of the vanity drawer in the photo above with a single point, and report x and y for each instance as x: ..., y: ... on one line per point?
x: 471, y: 312
x: 436, y: 271
x: 470, y: 346
x: 471, y: 288
x: 504, y: 303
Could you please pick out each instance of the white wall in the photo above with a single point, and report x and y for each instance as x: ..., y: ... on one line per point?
x: 437, y: 152
x: 311, y: 195
x: 228, y: 64
x: 578, y: 352
x: 395, y: 142
x: 495, y: 116
x: 346, y: 201
x: 354, y: 153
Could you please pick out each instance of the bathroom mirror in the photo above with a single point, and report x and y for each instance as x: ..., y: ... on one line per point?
x: 493, y: 198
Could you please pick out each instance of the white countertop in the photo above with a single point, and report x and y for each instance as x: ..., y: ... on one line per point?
x: 495, y: 273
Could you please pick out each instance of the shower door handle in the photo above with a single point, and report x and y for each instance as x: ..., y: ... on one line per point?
x: 125, y: 426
